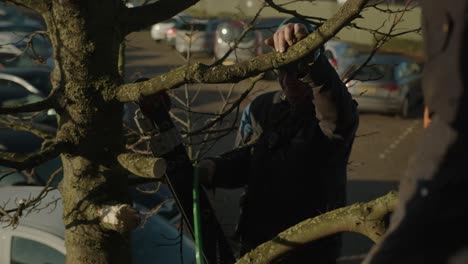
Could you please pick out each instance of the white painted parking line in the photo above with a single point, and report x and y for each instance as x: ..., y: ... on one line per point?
x: 398, y: 140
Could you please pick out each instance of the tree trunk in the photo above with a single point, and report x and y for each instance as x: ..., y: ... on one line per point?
x: 86, y: 44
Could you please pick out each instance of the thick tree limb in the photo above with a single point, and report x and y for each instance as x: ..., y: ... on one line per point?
x: 145, y: 166
x: 363, y: 218
x: 46, y: 104
x: 138, y: 18
x: 200, y: 73
x: 22, y: 161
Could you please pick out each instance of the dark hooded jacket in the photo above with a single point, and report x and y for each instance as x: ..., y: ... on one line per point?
x: 291, y: 161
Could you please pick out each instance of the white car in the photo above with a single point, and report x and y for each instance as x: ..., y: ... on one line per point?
x: 159, y: 31
x: 39, y: 237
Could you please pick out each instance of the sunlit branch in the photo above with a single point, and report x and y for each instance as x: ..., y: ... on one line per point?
x: 200, y: 73
x: 145, y: 166
x: 367, y: 219
x: 138, y: 18
x: 21, y: 161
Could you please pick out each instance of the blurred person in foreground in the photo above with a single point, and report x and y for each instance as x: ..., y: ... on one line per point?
x: 292, y: 150
x: 429, y: 224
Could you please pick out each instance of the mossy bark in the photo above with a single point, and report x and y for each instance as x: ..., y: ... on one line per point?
x: 86, y: 45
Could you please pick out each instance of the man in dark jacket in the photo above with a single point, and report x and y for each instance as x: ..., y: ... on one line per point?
x: 294, y: 147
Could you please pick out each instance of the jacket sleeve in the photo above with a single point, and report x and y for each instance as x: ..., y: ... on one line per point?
x: 232, y: 168
x: 334, y: 107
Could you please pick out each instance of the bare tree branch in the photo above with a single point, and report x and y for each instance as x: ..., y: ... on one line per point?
x: 31, y: 203
x: 21, y: 161
x: 364, y: 218
x: 200, y: 73
x: 138, y: 18
x: 244, y: 32
x: 46, y: 104
x: 229, y: 110
x: 143, y: 165
x: 381, y: 39
x: 38, y: 5
x: 45, y: 133
x: 281, y: 9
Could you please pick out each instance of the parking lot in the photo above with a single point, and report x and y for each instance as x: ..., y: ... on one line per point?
x: 382, y: 148
x: 383, y: 143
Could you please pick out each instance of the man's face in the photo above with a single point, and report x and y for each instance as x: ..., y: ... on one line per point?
x: 295, y: 91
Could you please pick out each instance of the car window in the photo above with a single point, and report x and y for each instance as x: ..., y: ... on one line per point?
x: 406, y: 69
x: 11, y: 91
x: 36, y: 46
x: 329, y: 54
x: 170, y: 20
x: 26, y: 251
x: 193, y: 27
x: 349, y: 52
x: 381, y: 72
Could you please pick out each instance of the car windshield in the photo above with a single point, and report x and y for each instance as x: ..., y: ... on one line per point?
x: 20, y: 28
x: 170, y: 20
x: 193, y: 27
x: 229, y: 32
x: 374, y: 72
x: 12, y: 91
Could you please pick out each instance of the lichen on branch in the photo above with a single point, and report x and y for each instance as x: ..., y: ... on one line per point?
x: 367, y: 219
x: 200, y: 73
x: 145, y: 166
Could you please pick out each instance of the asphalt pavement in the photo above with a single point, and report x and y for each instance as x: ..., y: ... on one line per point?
x: 380, y: 155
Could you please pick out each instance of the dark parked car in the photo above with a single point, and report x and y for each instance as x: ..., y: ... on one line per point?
x: 391, y: 83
